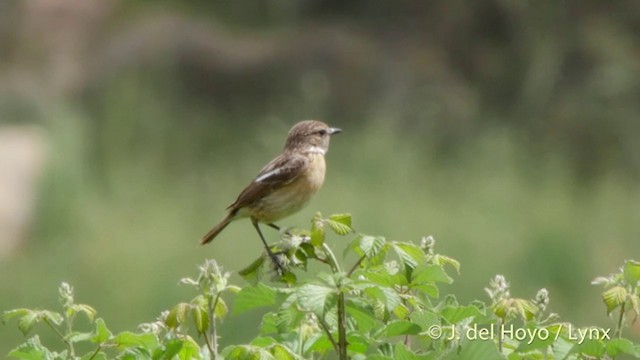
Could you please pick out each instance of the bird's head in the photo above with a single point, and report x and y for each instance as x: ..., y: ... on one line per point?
x: 310, y: 136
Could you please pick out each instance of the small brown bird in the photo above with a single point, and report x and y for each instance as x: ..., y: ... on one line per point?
x: 286, y: 184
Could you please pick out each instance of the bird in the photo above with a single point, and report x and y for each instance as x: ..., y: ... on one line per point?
x: 286, y: 184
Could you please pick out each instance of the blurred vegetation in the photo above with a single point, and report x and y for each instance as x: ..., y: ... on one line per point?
x: 507, y: 129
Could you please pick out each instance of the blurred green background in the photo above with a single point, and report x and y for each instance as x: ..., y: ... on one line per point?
x: 506, y: 129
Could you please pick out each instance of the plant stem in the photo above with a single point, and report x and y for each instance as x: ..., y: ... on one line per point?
x: 620, y: 320
x: 208, y: 342
x: 213, y: 347
x: 342, y: 330
x: 95, y: 352
x: 332, y: 258
x: 500, y: 337
x: 325, y: 327
x: 342, y: 311
x: 60, y: 335
x: 356, y: 265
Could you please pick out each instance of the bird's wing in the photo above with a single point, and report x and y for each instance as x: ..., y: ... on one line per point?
x: 279, y: 172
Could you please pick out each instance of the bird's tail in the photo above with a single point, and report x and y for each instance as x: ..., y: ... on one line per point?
x: 216, y: 230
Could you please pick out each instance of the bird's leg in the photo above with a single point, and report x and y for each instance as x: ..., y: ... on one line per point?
x: 273, y: 257
x: 272, y: 225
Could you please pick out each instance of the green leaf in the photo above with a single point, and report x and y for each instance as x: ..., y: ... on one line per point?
x: 455, y: 314
x: 399, y: 327
x: 127, y: 339
x: 177, y: 315
x: 315, y: 297
x: 200, y: 319
x: 89, y: 311
x: 102, y: 333
x: 400, y: 352
x: 478, y: 349
x: 386, y: 296
x: 253, y: 297
x: 369, y: 246
x: 340, y: 223
x: 631, y: 272
x: 364, y: 316
x: 76, y: 336
x: 317, y: 236
x: 27, y: 322
x: 281, y: 352
x: 52, y: 316
x: 424, y: 319
x: 427, y: 289
x: 445, y: 260
x: 318, y: 343
x: 616, y: 347
x: 614, y: 297
x: 91, y: 356
x: 252, y: 272
x: 171, y: 349
x: 589, y: 347
x: 221, y: 309
x: 344, y: 219
x: 10, y: 314
x: 190, y: 349
x: 410, y: 254
x: 430, y: 274
x: 32, y: 349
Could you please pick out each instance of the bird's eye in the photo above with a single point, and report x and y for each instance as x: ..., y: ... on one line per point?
x: 322, y: 132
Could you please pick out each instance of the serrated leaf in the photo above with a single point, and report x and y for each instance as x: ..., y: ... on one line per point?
x: 315, y: 298
x: 52, y: 316
x: 221, y: 309
x: 102, y: 333
x: 427, y: 289
x: 590, y: 347
x: 430, y: 274
x: 27, y: 322
x: 281, y: 352
x: 127, y: 339
x: 252, y: 272
x: 76, y: 336
x: 190, y: 349
x: 10, y: 314
x: 200, y: 319
x: 388, y: 297
x: 455, y: 314
x: 399, y: 327
x: 253, y: 297
x: 445, y: 260
x: 317, y: 236
x: 170, y: 349
x: 424, y: 319
x: 409, y: 254
x: 32, y: 349
x: 615, y: 347
x: 631, y: 271
x: 89, y: 311
x: 177, y: 315
x: 614, y: 297
x: 338, y: 227
x: 474, y: 350
x: 364, y: 316
x: 401, y: 352
x: 344, y: 219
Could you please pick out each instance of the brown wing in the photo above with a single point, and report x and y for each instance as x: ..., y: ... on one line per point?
x: 279, y: 172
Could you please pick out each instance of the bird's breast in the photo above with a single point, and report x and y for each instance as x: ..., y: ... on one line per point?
x: 294, y: 196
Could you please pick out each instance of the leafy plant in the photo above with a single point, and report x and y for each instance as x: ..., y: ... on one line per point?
x: 384, y: 305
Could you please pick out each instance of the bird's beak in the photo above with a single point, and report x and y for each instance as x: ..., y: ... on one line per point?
x: 334, y: 131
